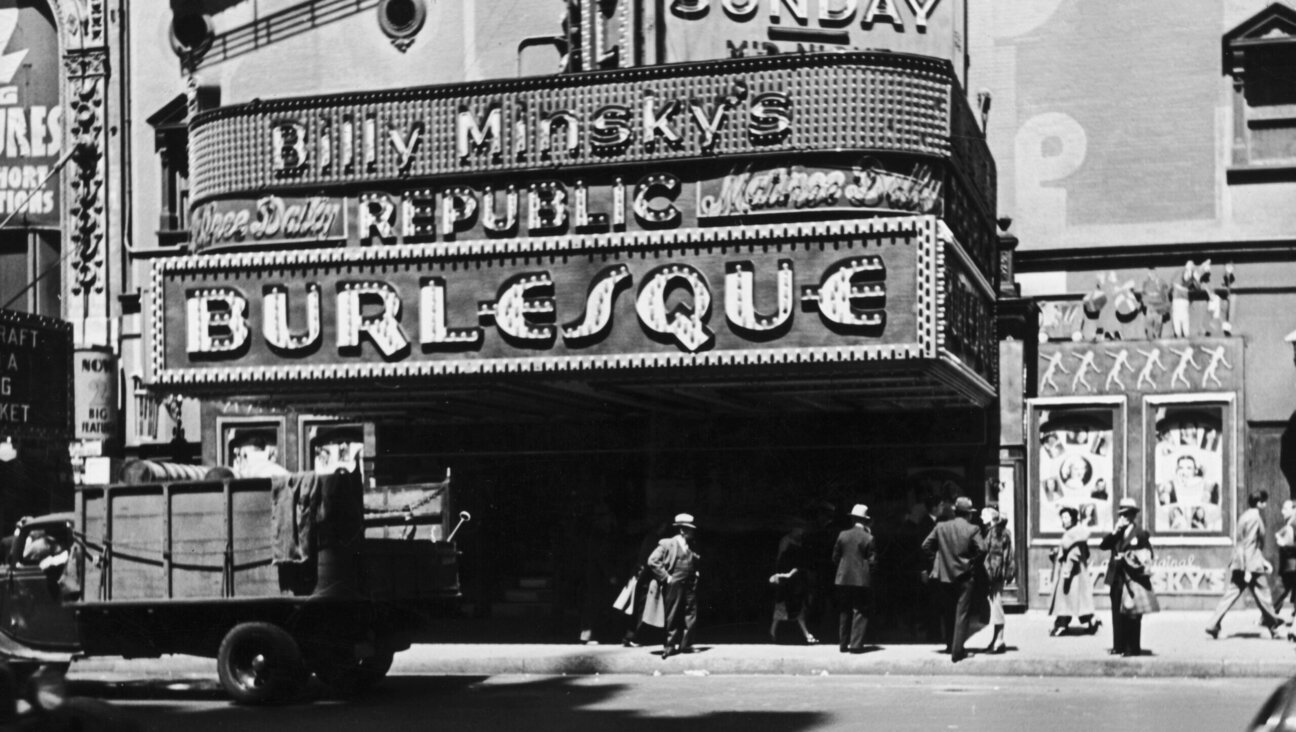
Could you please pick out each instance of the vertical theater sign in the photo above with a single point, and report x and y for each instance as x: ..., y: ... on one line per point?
x: 713, y: 217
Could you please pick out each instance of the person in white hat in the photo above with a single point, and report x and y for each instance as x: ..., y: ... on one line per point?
x: 854, y: 555
x: 675, y: 565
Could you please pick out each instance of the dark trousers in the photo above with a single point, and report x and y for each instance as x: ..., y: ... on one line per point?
x: 1127, y: 630
x: 956, y: 611
x: 852, y: 616
x: 1286, y: 585
x: 681, y: 613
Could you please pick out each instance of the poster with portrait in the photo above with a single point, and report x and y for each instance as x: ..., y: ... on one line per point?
x: 334, y: 446
x: 1188, y: 470
x: 1076, y: 467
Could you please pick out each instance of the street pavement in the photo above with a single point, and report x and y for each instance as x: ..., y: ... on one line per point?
x: 1175, y: 645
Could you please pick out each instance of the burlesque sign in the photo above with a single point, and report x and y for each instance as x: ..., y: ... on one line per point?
x: 35, y: 376
x: 829, y: 294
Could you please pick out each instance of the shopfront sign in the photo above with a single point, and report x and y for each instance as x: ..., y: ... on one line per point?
x: 95, y: 394
x: 827, y: 294
x: 697, y: 30
x: 31, y: 115
x: 35, y: 379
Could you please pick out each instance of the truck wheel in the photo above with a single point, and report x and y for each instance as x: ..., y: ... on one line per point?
x: 347, y: 677
x: 259, y: 663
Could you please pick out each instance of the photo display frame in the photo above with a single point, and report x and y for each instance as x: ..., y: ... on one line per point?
x: 1080, y: 446
x: 1190, y: 463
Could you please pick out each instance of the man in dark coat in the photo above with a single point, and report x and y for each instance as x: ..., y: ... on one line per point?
x: 955, y: 547
x: 854, y: 555
x: 1126, y: 536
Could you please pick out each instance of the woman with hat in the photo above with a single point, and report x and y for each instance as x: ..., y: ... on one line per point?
x: 1128, y: 576
x: 1072, y: 588
x: 1000, y: 568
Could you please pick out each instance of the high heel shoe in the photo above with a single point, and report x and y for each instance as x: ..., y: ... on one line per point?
x: 1094, y: 625
x: 811, y: 640
x: 1055, y: 631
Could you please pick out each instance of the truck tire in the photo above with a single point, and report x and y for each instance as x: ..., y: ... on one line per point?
x: 347, y: 677
x: 260, y: 663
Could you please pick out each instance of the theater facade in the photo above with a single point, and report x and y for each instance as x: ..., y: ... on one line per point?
x: 726, y: 261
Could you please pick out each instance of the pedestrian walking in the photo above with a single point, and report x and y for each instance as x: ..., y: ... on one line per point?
x: 854, y: 555
x: 1000, y: 567
x: 1072, y: 589
x: 955, y: 547
x: 1248, y: 570
x: 1129, y: 579
x: 1285, y: 539
x: 675, y: 566
x: 791, y: 583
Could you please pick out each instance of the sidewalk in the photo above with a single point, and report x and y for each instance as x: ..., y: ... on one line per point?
x: 1175, y: 645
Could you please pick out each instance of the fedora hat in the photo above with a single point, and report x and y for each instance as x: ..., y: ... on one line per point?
x: 963, y: 505
x: 1127, y: 505
x: 685, y: 520
x: 860, y: 511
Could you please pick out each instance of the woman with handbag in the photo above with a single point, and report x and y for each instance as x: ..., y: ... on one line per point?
x: 1129, y: 579
x: 791, y: 583
x: 1072, y: 588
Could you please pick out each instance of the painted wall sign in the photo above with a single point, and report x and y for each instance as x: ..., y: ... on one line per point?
x: 267, y: 220
x: 31, y: 114
x: 697, y: 30
x: 827, y: 293
x: 1154, y: 367
x: 35, y: 378
x: 886, y: 102
x: 95, y: 395
x: 1170, y: 576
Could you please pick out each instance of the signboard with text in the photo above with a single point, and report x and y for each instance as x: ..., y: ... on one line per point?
x: 31, y: 116
x: 35, y: 376
x: 827, y: 295
x: 700, y: 30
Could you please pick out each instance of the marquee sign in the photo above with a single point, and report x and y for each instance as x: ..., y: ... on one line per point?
x: 697, y: 30
x: 624, y: 200
x: 816, y: 295
x: 879, y: 102
x: 35, y: 376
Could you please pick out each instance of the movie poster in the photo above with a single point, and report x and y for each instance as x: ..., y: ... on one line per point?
x: 1076, y: 468
x: 1189, y: 469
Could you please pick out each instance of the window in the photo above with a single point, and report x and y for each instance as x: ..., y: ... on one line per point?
x: 171, y: 141
x: 1260, y: 55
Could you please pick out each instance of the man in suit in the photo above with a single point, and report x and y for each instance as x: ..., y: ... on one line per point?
x: 854, y: 555
x: 955, y: 547
x: 675, y: 565
x: 1126, y: 536
x: 1248, y: 569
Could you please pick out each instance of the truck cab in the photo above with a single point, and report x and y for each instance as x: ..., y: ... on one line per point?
x: 32, y: 609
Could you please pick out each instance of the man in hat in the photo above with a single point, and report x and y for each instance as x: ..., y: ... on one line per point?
x: 1126, y: 536
x: 955, y: 547
x: 854, y: 555
x: 675, y: 565
x: 1248, y: 569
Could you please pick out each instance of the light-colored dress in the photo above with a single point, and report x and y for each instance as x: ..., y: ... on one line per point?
x: 1073, y: 598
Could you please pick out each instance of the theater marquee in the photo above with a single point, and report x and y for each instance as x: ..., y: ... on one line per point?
x: 834, y: 296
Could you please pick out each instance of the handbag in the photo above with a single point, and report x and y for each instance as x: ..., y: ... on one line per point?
x: 625, y: 600
x: 1136, y: 599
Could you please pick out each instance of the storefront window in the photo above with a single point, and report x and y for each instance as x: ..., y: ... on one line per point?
x: 1189, y: 463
